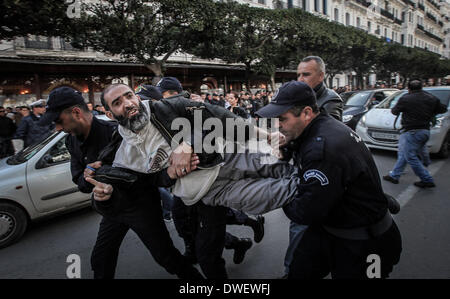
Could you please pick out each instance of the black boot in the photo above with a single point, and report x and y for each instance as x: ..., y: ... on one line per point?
x: 240, y: 248
x: 257, y: 226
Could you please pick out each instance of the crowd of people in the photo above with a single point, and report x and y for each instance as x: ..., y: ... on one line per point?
x: 324, y: 177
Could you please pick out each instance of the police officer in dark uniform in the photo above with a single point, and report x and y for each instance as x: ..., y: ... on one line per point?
x: 340, y: 196
x: 133, y: 209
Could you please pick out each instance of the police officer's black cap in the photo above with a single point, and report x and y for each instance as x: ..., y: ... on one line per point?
x: 148, y: 92
x: 169, y: 83
x: 290, y: 94
x: 59, y: 99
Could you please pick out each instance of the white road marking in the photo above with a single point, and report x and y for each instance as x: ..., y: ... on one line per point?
x: 409, y: 192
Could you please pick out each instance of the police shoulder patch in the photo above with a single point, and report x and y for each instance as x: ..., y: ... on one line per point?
x: 314, y: 173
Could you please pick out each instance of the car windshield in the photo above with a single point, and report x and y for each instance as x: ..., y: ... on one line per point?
x: 442, y: 95
x: 358, y: 99
x: 390, y: 102
x: 28, y: 152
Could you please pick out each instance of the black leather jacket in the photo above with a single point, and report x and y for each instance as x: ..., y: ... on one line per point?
x: 165, y: 111
x: 329, y: 100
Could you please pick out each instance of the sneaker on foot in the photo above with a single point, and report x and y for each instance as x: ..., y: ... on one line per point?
x: 425, y: 184
x: 390, y: 179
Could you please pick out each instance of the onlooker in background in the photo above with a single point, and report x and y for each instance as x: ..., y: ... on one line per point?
x: 233, y: 105
x: 91, y: 108
x: 418, y: 108
x: 29, y: 130
x: 209, y: 98
x: 7, y: 130
x: 246, y: 103
x: 257, y: 103
x: 100, y: 109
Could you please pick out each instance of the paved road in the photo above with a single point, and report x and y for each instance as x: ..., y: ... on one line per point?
x: 424, y: 222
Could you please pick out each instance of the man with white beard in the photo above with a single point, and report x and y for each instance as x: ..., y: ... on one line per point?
x: 242, y: 181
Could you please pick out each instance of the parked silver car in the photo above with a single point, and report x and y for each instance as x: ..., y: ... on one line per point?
x: 376, y: 127
x: 36, y: 183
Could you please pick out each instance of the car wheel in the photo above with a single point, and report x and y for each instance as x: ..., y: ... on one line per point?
x: 444, y: 151
x: 13, y: 223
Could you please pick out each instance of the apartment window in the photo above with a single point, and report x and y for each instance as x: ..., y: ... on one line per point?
x: 262, y: 2
x: 402, y: 39
x: 410, y: 17
x: 369, y: 26
x: 347, y: 19
x: 358, y: 22
x: 336, y: 15
x: 316, y: 5
x: 304, y: 4
x: 325, y: 7
x: 385, y: 32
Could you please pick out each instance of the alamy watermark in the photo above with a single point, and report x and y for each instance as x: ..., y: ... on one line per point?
x: 211, y: 136
x: 73, y: 9
x: 374, y: 269
x: 74, y: 268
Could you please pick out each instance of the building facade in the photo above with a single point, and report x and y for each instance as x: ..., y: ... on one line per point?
x: 412, y: 23
x: 31, y: 67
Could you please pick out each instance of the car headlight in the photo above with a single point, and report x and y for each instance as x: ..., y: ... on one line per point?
x: 362, y: 122
x: 347, y: 118
x: 439, y: 121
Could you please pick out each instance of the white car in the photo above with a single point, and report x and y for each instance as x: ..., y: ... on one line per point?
x: 377, y: 130
x: 36, y: 183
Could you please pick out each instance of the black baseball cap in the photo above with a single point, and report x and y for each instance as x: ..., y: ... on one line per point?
x: 59, y: 99
x: 290, y: 94
x: 148, y: 92
x: 169, y: 83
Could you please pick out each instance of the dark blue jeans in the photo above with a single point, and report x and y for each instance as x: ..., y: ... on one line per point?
x: 411, y: 145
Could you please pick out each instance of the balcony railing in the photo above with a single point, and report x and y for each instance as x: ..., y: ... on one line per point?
x: 431, y: 17
x: 434, y: 36
x: 421, y: 7
x: 363, y: 2
x: 409, y: 2
x: 398, y: 21
x: 433, y: 3
x: 387, y: 14
x: 428, y: 33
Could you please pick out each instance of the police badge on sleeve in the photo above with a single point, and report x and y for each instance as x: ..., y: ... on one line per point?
x: 314, y: 173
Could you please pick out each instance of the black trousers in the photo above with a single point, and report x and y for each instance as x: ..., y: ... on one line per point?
x: 204, y: 228
x: 144, y: 217
x: 320, y: 253
x: 210, y: 239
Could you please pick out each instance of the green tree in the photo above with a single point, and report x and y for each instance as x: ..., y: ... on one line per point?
x: 23, y: 17
x: 237, y: 34
x: 148, y: 32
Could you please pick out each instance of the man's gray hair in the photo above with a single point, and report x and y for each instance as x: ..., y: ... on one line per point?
x: 318, y: 60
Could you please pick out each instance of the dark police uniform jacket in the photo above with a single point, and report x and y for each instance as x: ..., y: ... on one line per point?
x: 329, y: 100
x: 340, y: 185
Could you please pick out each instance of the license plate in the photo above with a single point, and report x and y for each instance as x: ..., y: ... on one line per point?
x: 385, y: 136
